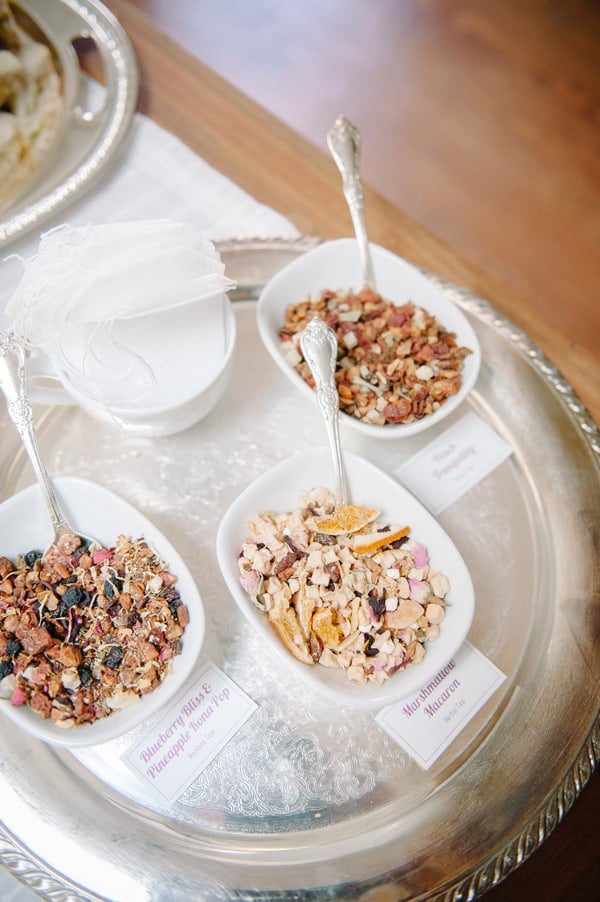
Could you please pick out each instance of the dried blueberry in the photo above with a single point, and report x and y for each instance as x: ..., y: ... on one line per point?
x: 82, y: 549
x: 85, y: 674
x: 13, y: 647
x: 6, y: 667
x: 173, y: 605
x: 73, y: 595
x: 113, y: 657
x: 109, y: 590
x: 31, y: 557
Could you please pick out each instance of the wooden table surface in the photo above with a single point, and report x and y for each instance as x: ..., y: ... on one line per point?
x: 281, y: 169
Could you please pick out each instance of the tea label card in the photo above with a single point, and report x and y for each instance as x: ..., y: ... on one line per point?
x: 190, y: 734
x: 452, y: 463
x: 425, y: 723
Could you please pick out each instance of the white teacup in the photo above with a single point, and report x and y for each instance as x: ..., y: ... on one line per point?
x: 151, y: 375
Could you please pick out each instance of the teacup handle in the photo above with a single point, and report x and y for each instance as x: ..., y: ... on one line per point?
x: 41, y: 368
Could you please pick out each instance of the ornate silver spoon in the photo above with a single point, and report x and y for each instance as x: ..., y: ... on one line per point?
x: 12, y: 383
x: 319, y: 347
x: 344, y: 142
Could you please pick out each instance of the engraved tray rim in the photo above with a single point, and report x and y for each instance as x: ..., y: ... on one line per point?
x: 474, y: 877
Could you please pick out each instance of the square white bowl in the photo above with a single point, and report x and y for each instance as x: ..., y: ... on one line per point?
x: 335, y: 265
x: 279, y: 490
x: 25, y: 526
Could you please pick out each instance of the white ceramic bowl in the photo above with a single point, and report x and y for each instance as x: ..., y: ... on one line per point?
x: 24, y: 525
x: 335, y: 265
x: 279, y: 490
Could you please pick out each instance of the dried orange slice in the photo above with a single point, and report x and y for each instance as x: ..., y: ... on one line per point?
x: 286, y: 625
x: 305, y: 607
x: 325, y: 629
x: 346, y: 519
x: 371, y: 541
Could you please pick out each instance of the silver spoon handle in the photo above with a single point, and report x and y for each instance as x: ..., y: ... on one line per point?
x: 12, y: 383
x: 344, y: 142
x: 319, y: 347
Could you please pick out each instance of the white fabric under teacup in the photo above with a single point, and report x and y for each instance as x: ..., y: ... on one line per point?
x: 132, y: 319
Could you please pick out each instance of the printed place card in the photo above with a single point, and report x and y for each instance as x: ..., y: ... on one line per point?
x: 427, y: 722
x: 455, y: 461
x: 191, y: 733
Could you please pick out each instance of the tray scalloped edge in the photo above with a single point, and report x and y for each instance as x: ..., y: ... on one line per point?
x: 484, y: 878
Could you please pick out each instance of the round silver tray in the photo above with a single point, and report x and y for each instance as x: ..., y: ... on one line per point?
x: 311, y: 801
x: 90, y: 135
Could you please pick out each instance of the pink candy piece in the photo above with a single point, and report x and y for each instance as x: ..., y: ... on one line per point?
x: 18, y: 697
x: 419, y: 590
x: 250, y: 581
x: 420, y: 556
